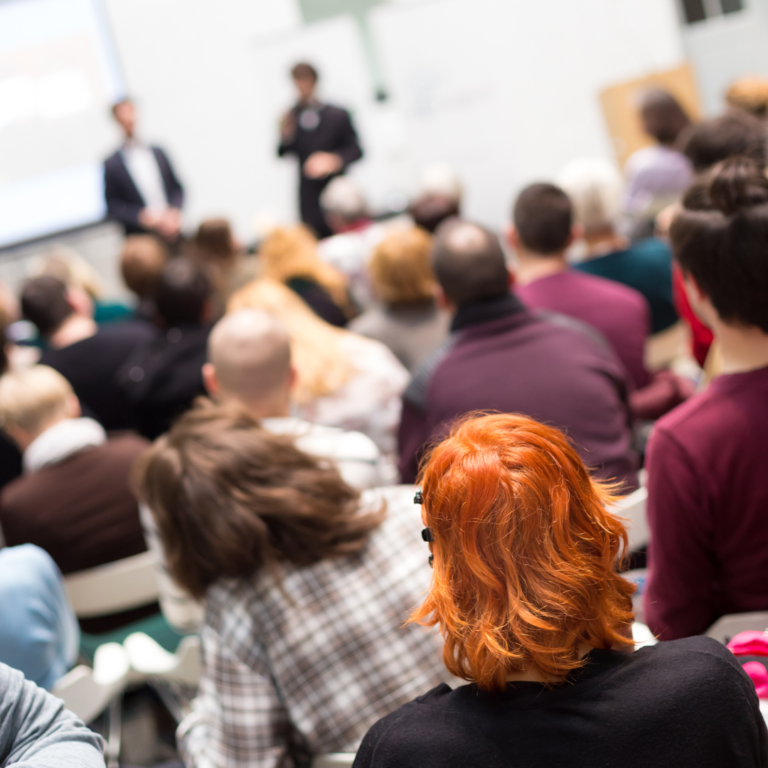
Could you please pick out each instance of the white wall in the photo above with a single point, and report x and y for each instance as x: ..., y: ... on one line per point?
x: 504, y: 90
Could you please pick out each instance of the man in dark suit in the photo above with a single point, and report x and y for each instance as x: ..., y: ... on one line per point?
x: 141, y: 189
x: 324, y: 140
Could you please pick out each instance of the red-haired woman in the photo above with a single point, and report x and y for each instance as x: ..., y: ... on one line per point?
x: 535, y: 617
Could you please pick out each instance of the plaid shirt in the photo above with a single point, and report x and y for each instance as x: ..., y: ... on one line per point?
x: 305, y: 665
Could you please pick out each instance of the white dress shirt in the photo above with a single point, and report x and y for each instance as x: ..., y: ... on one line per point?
x: 142, y: 166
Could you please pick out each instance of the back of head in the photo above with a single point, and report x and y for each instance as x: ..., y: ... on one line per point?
x: 469, y: 263
x: 734, y: 134
x: 400, y: 267
x: 44, y: 302
x: 662, y: 115
x: 750, y: 94
x: 543, y: 219
x: 70, y: 267
x: 431, y: 210
x: 342, y: 198
x: 214, y: 242
x: 441, y: 180
x: 231, y: 499
x: 595, y: 188
x: 32, y: 398
x: 251, y: 353
x: 141, y: 264
x: 182, y: 293
x: 524, y: 552
x: 720, y: 237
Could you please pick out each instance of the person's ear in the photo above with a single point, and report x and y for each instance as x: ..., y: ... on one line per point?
x: 80, y: 301
x: 577, y: 233
x: 74, y: 411
x: 292, y: 379
x: 211, y: 381
x: 512, y: 237
x: 443, y: 301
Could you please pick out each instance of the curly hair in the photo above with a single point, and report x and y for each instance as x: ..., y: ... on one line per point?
x: 524, y: 552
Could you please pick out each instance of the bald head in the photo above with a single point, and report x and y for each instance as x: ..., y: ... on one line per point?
x: 249, y: 355
x: 468, y: 262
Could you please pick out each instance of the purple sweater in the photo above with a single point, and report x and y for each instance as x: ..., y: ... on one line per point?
x: 708, y: 507
x: 506, y: 358
x: 618, y: 312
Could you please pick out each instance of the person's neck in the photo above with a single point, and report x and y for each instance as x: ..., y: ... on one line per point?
x: 533, y: 675
x: 532, y: 267
x: 271, y: 408
x: 603, y: 241
x: 742, y: 349
x: 75, y: 328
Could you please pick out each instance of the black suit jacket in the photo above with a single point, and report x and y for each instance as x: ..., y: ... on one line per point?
x: 124, y: 201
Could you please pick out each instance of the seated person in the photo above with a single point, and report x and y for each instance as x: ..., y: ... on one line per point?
x: 36, y: 731
x: 38, y: 631
x: 290, y: 256
x: 707, y: 485
x: 87, y: 355
x: 439, y: 197
x: 10, y: 456
x: 306, y: 587
x: 249, y: 355
x: 141, y: 264
x: 410, y: 323
x: 342, y: 380
x: 595, y: 189
x: 536, y: 619
x: 163, y: 376
x: 504, y: 357
x: 74, y: 498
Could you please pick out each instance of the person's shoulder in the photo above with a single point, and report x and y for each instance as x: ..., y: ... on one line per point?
x: 690, y: 414
x: 113, y: 159
x: 651, y: 248
x: 128, y: 444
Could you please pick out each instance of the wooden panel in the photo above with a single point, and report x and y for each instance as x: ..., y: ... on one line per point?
x: 619, y: 103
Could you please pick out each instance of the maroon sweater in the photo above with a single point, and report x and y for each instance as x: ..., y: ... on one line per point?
x: 708, y: 508
x: 503, y: 357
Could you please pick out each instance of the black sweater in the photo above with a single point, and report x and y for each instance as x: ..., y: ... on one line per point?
x: 681, y: 704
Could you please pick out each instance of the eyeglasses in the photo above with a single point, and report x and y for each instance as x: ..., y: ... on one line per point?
x: 427, y: 534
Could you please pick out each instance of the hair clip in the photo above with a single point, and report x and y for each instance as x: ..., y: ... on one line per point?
x: 431, y: 561
x: 427, y: 534
x: 418, y: 498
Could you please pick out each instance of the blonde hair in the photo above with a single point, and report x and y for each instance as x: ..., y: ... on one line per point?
x: 750, y: 94
x: 289, y: 253
x: 32, y: 398
x: 595, y: 188
x: 322, y: 366
x: 400, y: 268
x: 71, y: 268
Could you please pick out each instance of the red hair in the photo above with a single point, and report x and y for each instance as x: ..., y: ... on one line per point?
x: 524, y: 552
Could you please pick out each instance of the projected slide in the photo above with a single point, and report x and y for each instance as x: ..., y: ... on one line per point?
x: 58, y: 77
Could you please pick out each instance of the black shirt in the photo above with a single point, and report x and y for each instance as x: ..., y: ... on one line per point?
x: 681, y: 704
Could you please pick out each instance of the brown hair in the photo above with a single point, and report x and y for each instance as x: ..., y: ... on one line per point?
x: 303, y: 70
x: 662, y: 115
x: 400, y: 267
x: 141, y: 264
x: 524, y: 552
x: 733, y: 134
x: 231, y: 499
x: 543, y: 218
x: 213, y: 242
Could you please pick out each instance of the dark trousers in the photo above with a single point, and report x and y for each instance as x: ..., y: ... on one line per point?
x: 309, y: 205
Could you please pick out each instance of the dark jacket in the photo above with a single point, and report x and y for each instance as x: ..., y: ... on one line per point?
x: 82, y: 512
x: 503, y: 357
x: 124, y: 201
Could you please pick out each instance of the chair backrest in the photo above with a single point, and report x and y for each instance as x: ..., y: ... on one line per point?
x: 119, y: 586
x: 633, y: 508
x: 727, y: 627
x: 334, y: 760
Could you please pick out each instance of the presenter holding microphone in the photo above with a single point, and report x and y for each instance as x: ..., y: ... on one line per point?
x: 323, y: 139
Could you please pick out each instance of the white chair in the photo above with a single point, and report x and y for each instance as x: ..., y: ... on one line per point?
x: 149, y: 659
x: 633, y: 509
x: 727, y: 627
x: 334, y: 760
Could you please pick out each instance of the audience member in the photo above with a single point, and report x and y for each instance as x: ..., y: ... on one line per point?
x: 657, y: 176
x: 304, y: 645
x: 542, y: 233
x: 141, y: 189
x: 342, y: 380
x: 38, y: 630
x: 535, y: 617
x: 439, y: 197
x: 594, y: 187
x: 142, y: 262
x: 290, y: 256
x: 10, y: 456
x: 74, y: 499
x: 707, y: 489
x: 749, y: 94
x: 36, y: 731
x: 503, y: 357
x: 88, y: 356
x: 409, y: 321
x: 164, y: 374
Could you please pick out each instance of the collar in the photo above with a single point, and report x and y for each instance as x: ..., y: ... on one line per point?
x: 485, y: 310
x: 61, y: 441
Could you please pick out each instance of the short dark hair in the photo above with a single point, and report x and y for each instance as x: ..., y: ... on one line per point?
x: 182, y: 292
x: 730, y: 135
x: 231, y: 499
x: 469, y: 262
x: 44, y: 302
x: 304, y: 70
x: 543, y: 218
x: 720, y: 237
x: 431, y: 210
x: 662, y: 115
